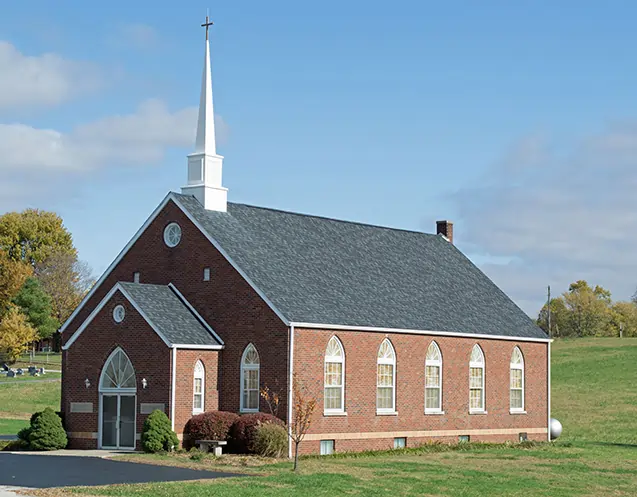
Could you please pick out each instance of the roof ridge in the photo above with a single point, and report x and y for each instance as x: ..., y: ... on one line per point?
x: 327, y: 218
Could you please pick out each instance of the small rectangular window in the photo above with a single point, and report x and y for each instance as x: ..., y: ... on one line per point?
x: 523, y: 437
x: 327, y: 447
x: 136, y: 277
x: 463, y: 438
x: 400, y: 443
x: 206, y: 274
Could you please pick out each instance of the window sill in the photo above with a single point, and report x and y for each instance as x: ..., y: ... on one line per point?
x: 386, y: 413
x: 194, y: 413
x: 334, y: 413
x: 517, y: 412
x: 477, y: 412
x: 434, y: 413
x: 248, y: 411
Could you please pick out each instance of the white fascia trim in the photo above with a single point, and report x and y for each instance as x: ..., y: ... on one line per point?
x: 229, y: 259
x: 174, y: 389
x: 197, y: 315
x: 291, y: 379
x: 417, y: 332
x: 119, y: 257
x: 101, y: 305
x: 198, y: 347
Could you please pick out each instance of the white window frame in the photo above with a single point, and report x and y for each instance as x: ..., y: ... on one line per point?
x: 386, y: 361
x: 199, y: 374
x: 481, y: 365
x: 136, y: 277
x: 434, y: 363
x: 338, y: 360
x: 206, y: 274
x: 119, y: 313
x: 327, y: 447
x: 517, y: 367
x: 167, y: 234
x: 252, y: 367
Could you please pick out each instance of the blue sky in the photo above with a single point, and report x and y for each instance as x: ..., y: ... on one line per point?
x: 516, y: 120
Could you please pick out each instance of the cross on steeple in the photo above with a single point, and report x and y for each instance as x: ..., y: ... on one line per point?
x: 207, y: 25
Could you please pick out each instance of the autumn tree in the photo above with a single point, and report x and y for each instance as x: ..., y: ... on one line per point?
x: 35, y: 304
x: 34, y: 235
x: 302, y: 410
x: 624, y: 318
x: 13, y: 274
x: 66, y: 280
x: 589, y: 309
x: 15, y: 334
x: 559, y: 318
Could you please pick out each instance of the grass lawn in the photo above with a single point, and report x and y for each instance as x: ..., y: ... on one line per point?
x: 594, y: 396
x: 20, y: 399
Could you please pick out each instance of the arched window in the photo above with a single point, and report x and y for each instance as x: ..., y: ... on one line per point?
x: 199, y: 388
x: 386, y: 379
x: 433, y: 379
x: 517, y: 381
x: 334, y: 398
x: 476, y: 380
x: 250, y: 380
x: 118, y: 373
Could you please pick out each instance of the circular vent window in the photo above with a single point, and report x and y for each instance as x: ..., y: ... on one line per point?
x: 118, y: 313
x: 172, y: 235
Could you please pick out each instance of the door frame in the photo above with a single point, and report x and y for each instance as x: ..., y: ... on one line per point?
x: 100, y: 428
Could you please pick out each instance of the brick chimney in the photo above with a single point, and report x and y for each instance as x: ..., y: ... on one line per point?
x: 445, y: 228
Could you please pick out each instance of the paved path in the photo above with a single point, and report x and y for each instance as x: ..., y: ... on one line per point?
x: 8, y: 437
x: 38, y: 471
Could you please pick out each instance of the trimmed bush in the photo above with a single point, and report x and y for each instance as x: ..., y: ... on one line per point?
x: 271, y: 440
x: 211, y: 425
x: 157, y: 434
x: 47, y: 432
x: 244, y: 431
x: 23, y: 434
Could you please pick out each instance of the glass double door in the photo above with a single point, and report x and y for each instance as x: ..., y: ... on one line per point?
x: 118, y: 421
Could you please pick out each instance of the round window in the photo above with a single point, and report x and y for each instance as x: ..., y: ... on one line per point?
x: 118, y: 313
x: 172, y: 235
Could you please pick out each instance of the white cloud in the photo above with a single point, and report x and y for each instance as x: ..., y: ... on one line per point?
x: 139, y: 138
x: 42, y: 80
x: 562, y: 215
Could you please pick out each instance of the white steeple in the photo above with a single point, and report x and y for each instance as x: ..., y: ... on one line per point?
x: 204, y: 165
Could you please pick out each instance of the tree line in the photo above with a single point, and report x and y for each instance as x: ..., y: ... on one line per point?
x: 41, y: 279
x: 584, y: 311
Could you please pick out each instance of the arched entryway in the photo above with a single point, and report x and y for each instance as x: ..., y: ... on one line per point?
x: 118, y: 400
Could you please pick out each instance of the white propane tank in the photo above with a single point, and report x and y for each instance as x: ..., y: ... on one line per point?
x: 555, y: 428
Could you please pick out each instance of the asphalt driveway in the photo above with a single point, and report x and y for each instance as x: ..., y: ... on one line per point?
x: 36, y: 471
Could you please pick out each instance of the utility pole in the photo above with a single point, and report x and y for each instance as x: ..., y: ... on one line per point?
x: 548, y: 307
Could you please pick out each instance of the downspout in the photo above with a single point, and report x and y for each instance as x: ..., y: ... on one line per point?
x: 290, y: 390
x: 174, y: 389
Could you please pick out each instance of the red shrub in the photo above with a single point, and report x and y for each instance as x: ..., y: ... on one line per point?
x: 212, y: 425
x: 244, y: 430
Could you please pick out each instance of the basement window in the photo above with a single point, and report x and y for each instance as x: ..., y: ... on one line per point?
x: 400, y: 443
x: 464, y: 439
x: 327, y: 447
x: 523, y: 437
x: 206, y: 274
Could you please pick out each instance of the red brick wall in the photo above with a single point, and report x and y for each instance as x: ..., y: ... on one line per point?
x: 361, y: 350
x: 186, y: 360
x: 85, y: 359
x: 226, y: 302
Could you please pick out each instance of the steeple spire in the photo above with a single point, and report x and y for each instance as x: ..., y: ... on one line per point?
x: 204, y: 165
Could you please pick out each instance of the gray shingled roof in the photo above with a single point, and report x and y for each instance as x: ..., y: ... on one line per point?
x: 319, y: 270
x: 166, y: 310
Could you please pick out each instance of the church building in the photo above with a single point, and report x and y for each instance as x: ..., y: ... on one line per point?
x: 398, y: 336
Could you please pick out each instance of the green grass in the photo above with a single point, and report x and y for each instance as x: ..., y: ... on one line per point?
x: 21, y: 399
x: 12, y: 426
x: 593, y: 395
x: 51, y: 360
